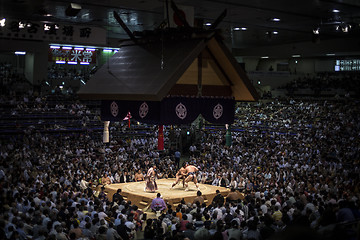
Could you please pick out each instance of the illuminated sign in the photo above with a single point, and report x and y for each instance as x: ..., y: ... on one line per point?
x: 347, y: 65
x: 58, y: 32
x: 72, y: 55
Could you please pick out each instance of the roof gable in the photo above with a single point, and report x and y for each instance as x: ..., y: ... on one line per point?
x: 153, y: 70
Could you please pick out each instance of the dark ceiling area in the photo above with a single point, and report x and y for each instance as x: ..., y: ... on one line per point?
x: 247, y: 25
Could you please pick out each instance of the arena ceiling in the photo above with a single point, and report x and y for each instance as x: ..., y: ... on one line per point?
x: 280, y: 25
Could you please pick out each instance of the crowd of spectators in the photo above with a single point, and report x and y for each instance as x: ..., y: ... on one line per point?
x: 58, y: 71
x: 11, y: 79
x: 293, y: 168
x: 346, y: 81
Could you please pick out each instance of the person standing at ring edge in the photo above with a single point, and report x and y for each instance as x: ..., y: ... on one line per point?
x: 177, y: 156
x: 150, y: 180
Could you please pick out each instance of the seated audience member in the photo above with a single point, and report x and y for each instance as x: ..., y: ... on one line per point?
x: 158, y: 204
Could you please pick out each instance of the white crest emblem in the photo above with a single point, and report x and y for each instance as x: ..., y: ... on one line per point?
x: 143, y: 110
x: 181, y: 111
x: 218, y: 111
x: 114, y: 108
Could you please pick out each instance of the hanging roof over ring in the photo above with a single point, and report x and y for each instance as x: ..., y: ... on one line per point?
x: 180, y: 65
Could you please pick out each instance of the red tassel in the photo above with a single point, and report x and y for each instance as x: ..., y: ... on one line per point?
x: 161, y: 138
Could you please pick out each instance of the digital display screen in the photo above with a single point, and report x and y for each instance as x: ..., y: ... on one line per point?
x: 347, y: 65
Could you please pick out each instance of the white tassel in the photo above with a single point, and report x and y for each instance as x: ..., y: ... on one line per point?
x: 106, y: 132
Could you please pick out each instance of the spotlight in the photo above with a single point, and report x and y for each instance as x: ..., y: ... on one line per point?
x: 239, y: 28
x: 275, y: 19
x: 2, y: 22
x: 46, y: 27
x: 346, y: 28
x: 316, y: 31
x: 22, y: 25
x: 316, y: 35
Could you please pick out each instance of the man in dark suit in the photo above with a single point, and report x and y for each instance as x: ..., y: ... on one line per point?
x: 117, y: 197
x: 125, y: 177
x: 218, y: 199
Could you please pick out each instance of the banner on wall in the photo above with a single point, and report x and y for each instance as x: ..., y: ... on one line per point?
x: 78, y: 55
x: 52, y: 32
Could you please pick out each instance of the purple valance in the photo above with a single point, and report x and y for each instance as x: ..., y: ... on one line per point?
x: 171, y: 110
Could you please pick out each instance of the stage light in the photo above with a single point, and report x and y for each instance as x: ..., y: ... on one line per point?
x: 346, y: 28
x: 22, y: 25
x: 67, y: 48
x: 208, y: 24
x: 20, y: 53
x: 46, y: 27
x: 82, y: 81
x: 239, y: 28
x: 107, y: 50
x: 275, y: 32
x: 330, y: 54
x: 265, y: 57
x: 84, y: 63
x: 60, y: 62
x: 296, y: 55
x: 79, y: 48
x: 335, y: 11
x: 316, y: 31
x: 55, y: 47
x: 90, y: 49
x: 72, y: 63
x: 2, y: 22
x: 275, y: 19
